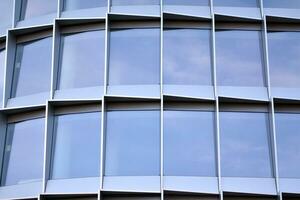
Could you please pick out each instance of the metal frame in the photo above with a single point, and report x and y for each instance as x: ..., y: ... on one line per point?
x: 159, y: 13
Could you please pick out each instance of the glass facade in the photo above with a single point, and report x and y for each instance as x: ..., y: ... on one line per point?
x: 23, y: 156
x: 149, y: 99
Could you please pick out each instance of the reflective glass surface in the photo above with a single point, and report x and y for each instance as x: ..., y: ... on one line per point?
x: 189, y: 148
x: 35, y: 8
x: 134, y: 53
x: 32, y: 71
x: 76, y: 151
x: 134, y: 2
x: 24, y: 152
x: 239, y: 57
x: 82, y: 60
x: 288, y: 148
x: 80, y: 4
x: 187, y: 58
x: 187, y: 2
x: 237, y: 3
x: 245, y: 144
x: 2, y: 68
x: 132, y: 143
x: 6, y: 13
x: 284, y: 59
x: 295, y: 4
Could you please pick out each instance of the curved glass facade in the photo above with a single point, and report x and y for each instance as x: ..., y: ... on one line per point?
x: 149, y: 99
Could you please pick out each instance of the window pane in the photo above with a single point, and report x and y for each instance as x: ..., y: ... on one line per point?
x: 189, y: 143
x: 80, y: 4
x: 187, y: 2
x: 239, y: 58
x: 134, y: 53
x: 134, y: 2
x: 282, y: 4
x: 34, y: 8
x: 187, y: 58
x: 189, y: 197
x: 132, y: 143
x: 237, y: 3
x: 288, y: 148
x: 24, y: 152
x: 245, y: 144
x: 6, y: 13
x: 77, y: 146
x: 2, y: 67
x: 131, y: 197
x: 32, y: 71
x: 82, y: 61
x: 284, y: 59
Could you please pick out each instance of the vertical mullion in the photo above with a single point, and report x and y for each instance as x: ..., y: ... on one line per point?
x: 102, y: 145
x: 161, y: 103
x: 106, y: 52
x: 59, y: 8
x: 217, y: 123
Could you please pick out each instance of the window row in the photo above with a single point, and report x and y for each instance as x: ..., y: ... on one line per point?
x: 35, y: 8
x: 135, y: 52
x: 132, y: 142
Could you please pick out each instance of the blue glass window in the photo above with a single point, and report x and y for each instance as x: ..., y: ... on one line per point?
x: 239, y: 57
x: 82, y: 60
x: 288, y: 148
x: 245, y: 149
x: 187, y: 2
x: 237, y: 3
x: 187, y: 59
x: 132, y: 143
x: 284, y: 59
x: 189, y: 148
x: 134, y: 53
x: 134, y: 2
x: 32, y: 71
x: 35, y: 8
x: 76, y: 146
x: 80, y: 4
x: 6, y: 13
x: 2, y: 67
x: 24, y: 152
x: 295, y: 4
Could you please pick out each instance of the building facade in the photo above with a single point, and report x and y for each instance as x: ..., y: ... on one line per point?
x: 150, y: 99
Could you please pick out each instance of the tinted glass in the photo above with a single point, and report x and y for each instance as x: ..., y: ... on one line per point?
x: 134, y: 2
x: 80, y: 4
x: 187, y: 58
x: 284, y: 59
x: 77, y: 146
x: 187, y: 2
x: 134, y: 53
x: 6, y: 13
x: 288, y: 148
x: 237, y: 3
x: 32, y: 71
x: 189, y: 148
x: 24, y: 152
x: 34, y: 8
x: 239, y: 58
x: 282, y: 4
x: 132, y: 143
x: 245, y: 144
x: 82, y: 61
x: 2, y: 67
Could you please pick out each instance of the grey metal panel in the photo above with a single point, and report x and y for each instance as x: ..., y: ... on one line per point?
x: 285, y: 93
x: 289, y: 185
x: 205, y: 92
x: 195, y: 11
x: 206, y: 185
x: 80, y: 93
x: 281, y: 12
x: 21, y: 191
x: 151, y: 10
x: 265, y: 186
x: 253, y: 13
x: 75, y: 185
x: 47, y: 19
x: 252, y: 93
x: 132, y: 183
x: 35, y: 99
x: 83, y: 13
x: 135, y: 90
